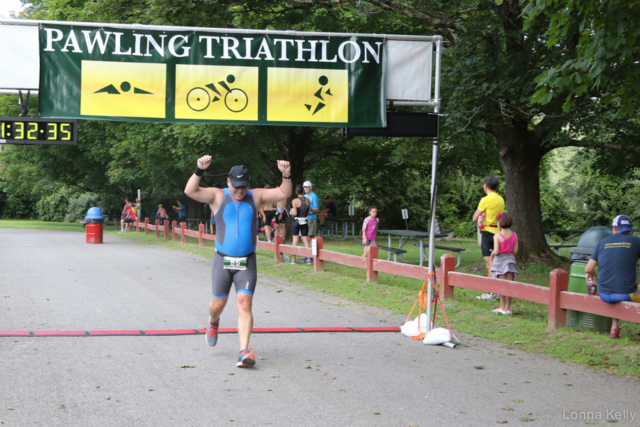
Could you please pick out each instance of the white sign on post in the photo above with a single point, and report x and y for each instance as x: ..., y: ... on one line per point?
x: 405, y: 213
x: 314, y: 247
x: 352, y: 210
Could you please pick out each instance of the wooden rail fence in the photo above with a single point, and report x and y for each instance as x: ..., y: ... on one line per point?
x: 556, y: 296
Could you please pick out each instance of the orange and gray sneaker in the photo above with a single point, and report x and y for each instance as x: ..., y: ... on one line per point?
x: 212, y: 332
x: 246, y: 359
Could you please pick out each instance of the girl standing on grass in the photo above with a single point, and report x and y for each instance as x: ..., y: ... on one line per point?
x: 370, y: 229
x: 505, y: 246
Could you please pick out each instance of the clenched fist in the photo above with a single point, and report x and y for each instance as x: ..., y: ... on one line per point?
x: 204, y: 162
x: 285, y: 167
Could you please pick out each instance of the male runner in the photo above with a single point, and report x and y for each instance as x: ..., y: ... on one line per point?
x: 235, y: 211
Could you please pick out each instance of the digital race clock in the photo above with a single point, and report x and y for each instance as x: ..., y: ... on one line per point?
x: 30, y: 131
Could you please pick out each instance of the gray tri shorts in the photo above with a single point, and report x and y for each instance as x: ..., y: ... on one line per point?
x: 221, y: 278
x: 313, y: 226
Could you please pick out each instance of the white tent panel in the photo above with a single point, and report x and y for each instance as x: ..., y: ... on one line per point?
x: 409, y: 69
x: 20, y: 64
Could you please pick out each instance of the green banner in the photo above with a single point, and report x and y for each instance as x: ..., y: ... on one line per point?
x: 145, y: 75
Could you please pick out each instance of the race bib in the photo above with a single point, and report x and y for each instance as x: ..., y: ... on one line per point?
x: 301, y: 221
x: 233, y: 263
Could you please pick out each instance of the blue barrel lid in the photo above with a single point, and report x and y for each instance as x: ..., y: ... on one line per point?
x: 94, y: 213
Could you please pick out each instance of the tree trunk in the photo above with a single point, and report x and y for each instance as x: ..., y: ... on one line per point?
x: 299, y: 144
x: 521, y: 152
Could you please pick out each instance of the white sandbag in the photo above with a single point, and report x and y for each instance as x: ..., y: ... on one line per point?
x: 439, y: 336
x: 410, y: 329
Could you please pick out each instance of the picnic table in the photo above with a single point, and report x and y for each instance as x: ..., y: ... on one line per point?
x: 572, y: 234
x: 564, y: 244
x: 405, y: 235
x: 342, y: 224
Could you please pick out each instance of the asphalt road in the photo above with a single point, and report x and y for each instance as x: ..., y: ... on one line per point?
x: 54, y: 281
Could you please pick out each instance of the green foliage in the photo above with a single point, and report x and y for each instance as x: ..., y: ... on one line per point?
x: 79, y: 205
x: 15, y: 207
x: 600, y: 40
x: 53, y: 207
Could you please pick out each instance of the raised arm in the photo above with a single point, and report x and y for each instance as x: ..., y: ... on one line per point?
x: 274, y: 195
x: 193, y: 189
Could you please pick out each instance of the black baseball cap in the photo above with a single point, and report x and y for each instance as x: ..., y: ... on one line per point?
x: 239, y: 176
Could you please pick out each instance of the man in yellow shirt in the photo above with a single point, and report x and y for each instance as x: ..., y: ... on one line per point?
x: 491, y: 205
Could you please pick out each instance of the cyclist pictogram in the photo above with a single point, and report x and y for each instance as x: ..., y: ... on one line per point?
x: 235, y: 100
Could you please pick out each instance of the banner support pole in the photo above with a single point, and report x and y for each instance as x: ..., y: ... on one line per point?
x: 434, y: 187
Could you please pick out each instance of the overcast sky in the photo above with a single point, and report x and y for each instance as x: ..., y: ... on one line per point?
x: 6, y: 6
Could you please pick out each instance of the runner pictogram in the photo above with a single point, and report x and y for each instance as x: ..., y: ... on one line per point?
x: 323, y: 80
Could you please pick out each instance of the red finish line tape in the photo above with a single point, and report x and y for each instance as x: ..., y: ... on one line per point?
x: 167, y: 332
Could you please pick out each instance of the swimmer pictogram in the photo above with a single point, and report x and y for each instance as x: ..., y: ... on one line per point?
x: 323, y: 80
x: 235, y: 100
x: 124, y: 87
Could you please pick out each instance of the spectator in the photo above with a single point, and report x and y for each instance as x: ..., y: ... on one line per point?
x: 182, y: 211
x: 491, y: 205
x: 370, y: 229
x: 299, y: 226
x: 129, y: 218
x: 312, y: 218
x: 503, y: 260
x: 138, y: 208
x: 330, y: 212
x: 162, y: 213
x: 281, y: 219
x: 268, y: 214
x: 124, y: 213
x: 617, y: 256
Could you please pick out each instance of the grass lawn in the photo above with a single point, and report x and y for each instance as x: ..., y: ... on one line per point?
x: 526, y: 329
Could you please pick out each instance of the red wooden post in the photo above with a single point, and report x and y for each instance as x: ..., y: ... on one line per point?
x: 200, y: 233
x: 174, y: 224
x: 183, y: 228
x: 318, y: 264
x: 448, y: 264
x: 157, y: 227
x: 277, y: 256
x: 372, y: 254
x: 166, y: 229
x: 146, y: 226
x: 559, y: 283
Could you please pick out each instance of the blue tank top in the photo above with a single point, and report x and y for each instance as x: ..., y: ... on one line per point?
x: 236, y: 226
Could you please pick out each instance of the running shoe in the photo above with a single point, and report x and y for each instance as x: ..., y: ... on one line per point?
x: 293, y: 261
x: 507, y: 312
x: 615, y: 333
x: 304, y: 259
x: 246, y: 359
x: 487, y: 295
x: 212, y: 332
x: 309, y: 262
x: 498, y: 310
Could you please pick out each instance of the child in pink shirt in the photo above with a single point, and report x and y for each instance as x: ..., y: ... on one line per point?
x: 505, y: 246
x: 370, y: 229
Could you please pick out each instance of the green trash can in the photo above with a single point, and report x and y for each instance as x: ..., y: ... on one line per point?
x: 578, y: 281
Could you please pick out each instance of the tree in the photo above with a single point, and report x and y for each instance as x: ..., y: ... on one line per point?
x: 605, y: 61
x: 489, y: 78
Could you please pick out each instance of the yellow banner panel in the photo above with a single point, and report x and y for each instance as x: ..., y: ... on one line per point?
x: 123, y: 89
x: 307, y: 95
x: 212, y: 92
